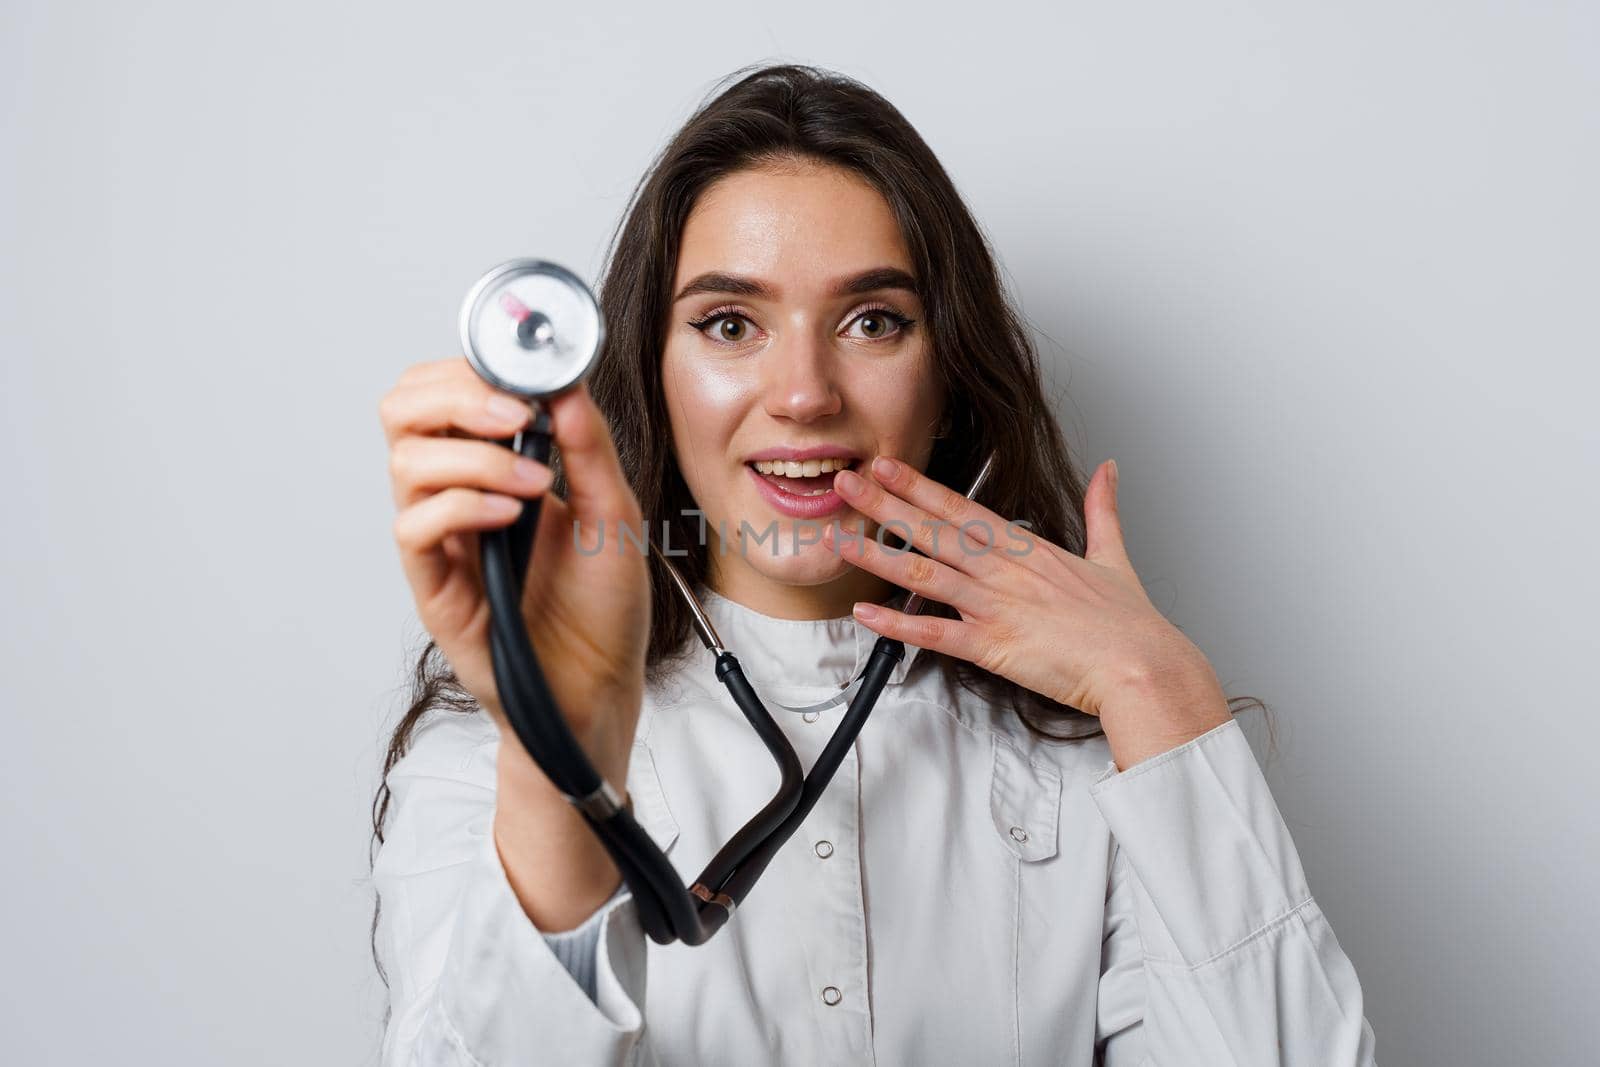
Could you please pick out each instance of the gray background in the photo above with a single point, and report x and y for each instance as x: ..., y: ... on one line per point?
x: 1321, y: 277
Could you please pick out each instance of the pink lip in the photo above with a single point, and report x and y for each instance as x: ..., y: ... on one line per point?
x: 797, y: 507
x: 814, y: 452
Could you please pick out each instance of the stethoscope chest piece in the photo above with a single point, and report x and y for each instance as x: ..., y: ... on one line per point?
x: 531, y: 327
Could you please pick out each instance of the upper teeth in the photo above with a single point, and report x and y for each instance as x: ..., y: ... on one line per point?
x: 801, y: 469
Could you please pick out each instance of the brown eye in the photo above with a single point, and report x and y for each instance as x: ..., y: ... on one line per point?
x: 878, y: 324
x: 724, y: 326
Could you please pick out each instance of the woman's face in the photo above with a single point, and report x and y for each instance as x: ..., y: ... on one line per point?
x: 796, y: 337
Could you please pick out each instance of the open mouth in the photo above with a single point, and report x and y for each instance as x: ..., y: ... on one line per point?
x: 802, y: 478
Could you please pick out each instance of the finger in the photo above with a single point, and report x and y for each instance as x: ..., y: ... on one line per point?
x: 461, y: 549
x: 420, y: 530
x: 455, y: 402
x: 934, y: 580
x: 939, y: 501
x: 420, y: 465
x: 931, y: 534
x: 1103, y: 541
x: 953, y: 637
x: 596, y: 487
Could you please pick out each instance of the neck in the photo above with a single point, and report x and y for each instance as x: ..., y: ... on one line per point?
x: 832, y: 599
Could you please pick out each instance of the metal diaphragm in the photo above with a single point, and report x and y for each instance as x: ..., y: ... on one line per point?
x: 531, y: 328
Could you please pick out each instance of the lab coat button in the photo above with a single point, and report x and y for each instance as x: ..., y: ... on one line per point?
x: 831, y: 995
x: 811, y: 716
x: 1018, y: 834
x: 824, y: 849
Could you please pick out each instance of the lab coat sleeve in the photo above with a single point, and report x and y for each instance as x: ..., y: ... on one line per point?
x: 1215, y: 951
x: 471, y: 979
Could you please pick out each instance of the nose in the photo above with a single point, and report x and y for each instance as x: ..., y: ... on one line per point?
x: 799, y: 379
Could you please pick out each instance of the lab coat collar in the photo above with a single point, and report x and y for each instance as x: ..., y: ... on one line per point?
x: 806, y: 656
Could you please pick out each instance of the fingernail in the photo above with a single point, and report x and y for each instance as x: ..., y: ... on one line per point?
x: 866, y: 612
x: 505, y: 409
x: 885, y: 468
x: 1112, y: 472
x: 848, y: 482
x: 529, y: 473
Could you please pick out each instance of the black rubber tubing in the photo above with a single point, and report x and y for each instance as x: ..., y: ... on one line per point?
x: 667, y: 911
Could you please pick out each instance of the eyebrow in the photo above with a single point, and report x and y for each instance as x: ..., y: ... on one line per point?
x: 738, y: 285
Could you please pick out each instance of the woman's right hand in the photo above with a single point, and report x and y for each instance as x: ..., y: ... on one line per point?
x: 587, y: 613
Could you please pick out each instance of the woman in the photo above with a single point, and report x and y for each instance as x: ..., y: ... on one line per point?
x: 1050, y: 843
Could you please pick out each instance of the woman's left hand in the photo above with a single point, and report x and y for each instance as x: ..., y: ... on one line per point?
x: 1077, y: 629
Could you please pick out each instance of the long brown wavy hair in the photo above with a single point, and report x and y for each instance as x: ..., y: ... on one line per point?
x: 982, y: 352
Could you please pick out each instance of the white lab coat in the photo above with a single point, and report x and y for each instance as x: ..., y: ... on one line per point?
x: 963, y: 893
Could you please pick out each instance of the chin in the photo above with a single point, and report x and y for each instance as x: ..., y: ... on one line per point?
x: 811, y: 565
x: 778, y: 559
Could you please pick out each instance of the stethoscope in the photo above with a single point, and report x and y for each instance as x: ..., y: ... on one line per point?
x: 533, y: 329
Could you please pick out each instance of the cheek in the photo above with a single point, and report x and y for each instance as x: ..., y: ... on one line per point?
x: 705, y: 404
x: 902, y: 405
x: 711, y: 391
